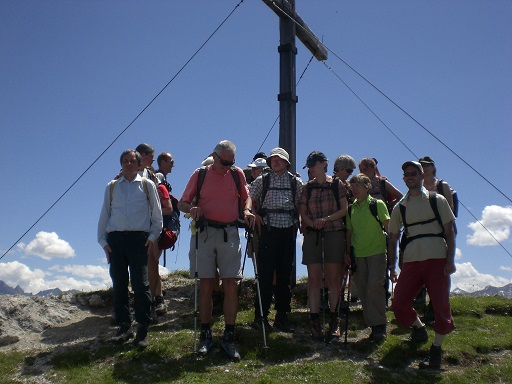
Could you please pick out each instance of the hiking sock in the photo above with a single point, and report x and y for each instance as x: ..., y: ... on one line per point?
x: 438, y: 339
x: 417, y: 323
x: 230, y: 328
x: 205, y: 327
x: 334, y: 315
x: 314, y: 316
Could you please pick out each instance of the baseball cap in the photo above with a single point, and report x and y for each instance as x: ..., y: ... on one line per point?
x: 427, y: 160
x: 313, y: 157
x: 414, y: 164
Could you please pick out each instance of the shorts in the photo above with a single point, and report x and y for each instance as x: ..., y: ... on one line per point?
x: 334, y: 247
x: 214, y: 253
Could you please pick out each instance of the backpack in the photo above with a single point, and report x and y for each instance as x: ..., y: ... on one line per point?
x: 405, y: 240
x: 240, y: 222
x: 454, y: 196
x: 266, y: 187
x: 334, y: 187
x: 171, y: 223
x: 386, y: 198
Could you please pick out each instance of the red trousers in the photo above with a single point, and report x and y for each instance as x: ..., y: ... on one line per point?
x: 415, y: 275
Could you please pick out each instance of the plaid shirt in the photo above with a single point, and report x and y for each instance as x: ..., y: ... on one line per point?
x: 322, y: 203
x: 280, y: 198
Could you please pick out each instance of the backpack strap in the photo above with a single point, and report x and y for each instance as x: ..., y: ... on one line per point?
x: 334, y: 187
x: 200, y: 180
x: 375, y: 212
x: 405, y: 240
x: 383, y: 190
x: 266, y: 186
x: 144, y: 187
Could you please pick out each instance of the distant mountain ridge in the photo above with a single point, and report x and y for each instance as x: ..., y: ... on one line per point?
x: 505, y: 291
x: 8, y: 290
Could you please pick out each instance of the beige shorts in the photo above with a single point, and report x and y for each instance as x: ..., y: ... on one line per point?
x: 214, y: 253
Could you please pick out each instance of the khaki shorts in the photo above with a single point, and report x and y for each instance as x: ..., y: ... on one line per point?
x: 334, y: 247
x: 214, y: 253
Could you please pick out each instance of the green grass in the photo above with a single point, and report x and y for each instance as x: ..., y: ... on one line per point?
x: 478, y: 351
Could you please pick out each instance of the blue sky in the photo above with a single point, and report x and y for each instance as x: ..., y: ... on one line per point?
x: 75, y: 74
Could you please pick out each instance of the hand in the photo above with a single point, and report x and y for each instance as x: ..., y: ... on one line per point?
x: 449, y: 268
x: 195, y: 213
x: 393, y: 276
x: 107, y: 250
x: 149, y: 246
x: 347, y: 259
x: 319, y: 223
x: 250, y: 219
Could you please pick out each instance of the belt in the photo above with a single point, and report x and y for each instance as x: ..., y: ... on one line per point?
x: 218, y: 224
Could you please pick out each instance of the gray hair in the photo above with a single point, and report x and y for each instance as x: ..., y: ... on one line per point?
x: 344, y: 162
x: 224, y: 145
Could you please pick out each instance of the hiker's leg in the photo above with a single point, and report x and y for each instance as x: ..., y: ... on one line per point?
x: 438, y: 288
x: 138, y: 261
x: 314, y: 287
x: 334, y: 257
x: 120, y: 278
x: 375, y: 292
x: 408, y: 285
x: 284, y: 264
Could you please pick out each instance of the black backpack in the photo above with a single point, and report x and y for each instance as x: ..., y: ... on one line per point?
x: 454, y: 196
x: 405, y: 239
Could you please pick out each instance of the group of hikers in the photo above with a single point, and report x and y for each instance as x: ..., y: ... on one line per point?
x: 351, y: 226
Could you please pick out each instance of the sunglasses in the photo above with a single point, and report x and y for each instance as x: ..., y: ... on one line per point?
x: 225, y: 163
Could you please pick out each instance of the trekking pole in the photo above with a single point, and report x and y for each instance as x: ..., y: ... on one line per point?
x: 257, y: 280
x: 198, y: 225
x: 347, y: 313
x: 322, y: 294
x: 243, y: 264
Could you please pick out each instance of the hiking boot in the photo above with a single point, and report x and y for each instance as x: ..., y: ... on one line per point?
x: 419, y: 335
x: 124, y: 333
x: 160, y: 307
x: 205, y: 343
x: 141, y: 338
x: 378, y: 333
x: 316, y: 329
x: 334, y: 329
x: 281, y: 323
x: 228, y: 345
x: 433, y: 361
x: 257, y: 325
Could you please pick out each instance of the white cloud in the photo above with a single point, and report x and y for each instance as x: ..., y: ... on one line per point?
x: 34, y: 281
x: 48, y: 246
x: 497, y: 220
x: 458, y: 254
x: 508, y: 269
x: 469, y: 279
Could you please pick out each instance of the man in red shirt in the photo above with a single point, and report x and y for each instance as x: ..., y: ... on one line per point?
x: 218, y: 242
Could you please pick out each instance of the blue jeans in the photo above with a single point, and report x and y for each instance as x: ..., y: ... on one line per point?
x: 129, y: 253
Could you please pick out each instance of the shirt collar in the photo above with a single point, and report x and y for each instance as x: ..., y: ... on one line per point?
x: 424, y: 196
